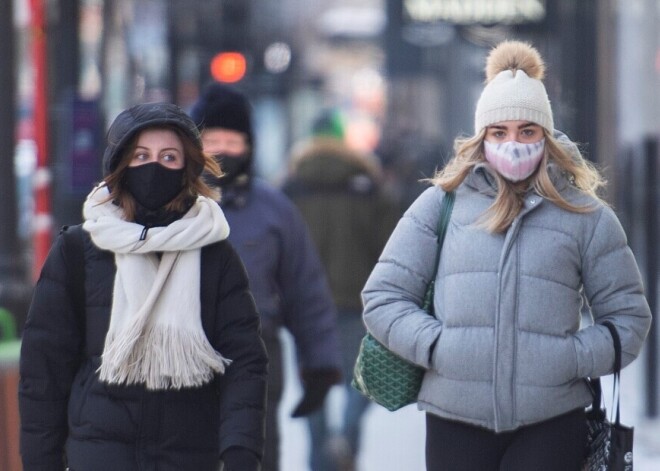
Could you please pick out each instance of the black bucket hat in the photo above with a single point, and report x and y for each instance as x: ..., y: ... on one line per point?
x: 133, y: 120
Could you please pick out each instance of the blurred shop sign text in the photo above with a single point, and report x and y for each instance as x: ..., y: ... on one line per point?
x: 467, y: 12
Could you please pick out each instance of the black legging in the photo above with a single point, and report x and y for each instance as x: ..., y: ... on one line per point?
x: 558, y: 444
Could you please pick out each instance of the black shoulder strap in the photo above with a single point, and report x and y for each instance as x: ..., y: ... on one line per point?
x: 74, y: 251
x: 594, y: 383
x: 617, y: 346
x: 616, y: 386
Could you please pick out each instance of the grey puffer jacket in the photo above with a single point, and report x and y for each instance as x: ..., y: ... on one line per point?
x: 505, y: 347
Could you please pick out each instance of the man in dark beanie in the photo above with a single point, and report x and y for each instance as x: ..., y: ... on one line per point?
x: 286, y: 275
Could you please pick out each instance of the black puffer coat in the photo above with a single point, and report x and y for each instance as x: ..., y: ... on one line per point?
x: 66, y: 411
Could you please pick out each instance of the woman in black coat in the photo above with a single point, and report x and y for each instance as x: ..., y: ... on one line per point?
x: 142, y: 348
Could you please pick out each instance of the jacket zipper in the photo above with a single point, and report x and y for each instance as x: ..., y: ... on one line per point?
x: 533, y: 203
x: 508, y: 243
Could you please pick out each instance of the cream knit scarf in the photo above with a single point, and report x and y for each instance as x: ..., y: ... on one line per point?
x: 155, y: 336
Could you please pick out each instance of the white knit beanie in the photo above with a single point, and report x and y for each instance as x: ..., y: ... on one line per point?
x: 514, y: 90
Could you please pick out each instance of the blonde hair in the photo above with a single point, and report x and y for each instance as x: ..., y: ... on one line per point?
x: 468, y: 152
x: 193, y: 182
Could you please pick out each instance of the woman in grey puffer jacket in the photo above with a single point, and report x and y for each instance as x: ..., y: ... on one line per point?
x: 528, y: 241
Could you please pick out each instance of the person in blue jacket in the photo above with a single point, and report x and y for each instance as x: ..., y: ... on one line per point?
x: 141, y: 348
x: 286, y: 274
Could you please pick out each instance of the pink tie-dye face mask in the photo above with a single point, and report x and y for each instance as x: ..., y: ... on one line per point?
x: 513, y: 160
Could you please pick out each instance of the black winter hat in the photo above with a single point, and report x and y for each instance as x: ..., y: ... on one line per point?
x: 220, y: 106
x: 132, y: 120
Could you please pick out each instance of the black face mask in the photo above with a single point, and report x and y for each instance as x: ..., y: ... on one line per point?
x: 232, y: 166
x: 152, y: 185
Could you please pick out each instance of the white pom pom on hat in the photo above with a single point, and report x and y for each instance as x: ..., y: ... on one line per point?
x: 514, y: 89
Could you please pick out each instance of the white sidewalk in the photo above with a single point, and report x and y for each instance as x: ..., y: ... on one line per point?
x: 394, y: 441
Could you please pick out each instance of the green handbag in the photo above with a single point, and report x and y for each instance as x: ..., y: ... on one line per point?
x: 382, y: 376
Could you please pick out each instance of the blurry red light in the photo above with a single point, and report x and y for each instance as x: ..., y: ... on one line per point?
x: 228, y: 67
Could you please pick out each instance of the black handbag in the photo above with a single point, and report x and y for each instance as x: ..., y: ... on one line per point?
x: 380, y: 374
x: 610, y: 444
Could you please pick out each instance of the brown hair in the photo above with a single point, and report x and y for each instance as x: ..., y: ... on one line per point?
x: 193, y: 183
x: 468, y: 152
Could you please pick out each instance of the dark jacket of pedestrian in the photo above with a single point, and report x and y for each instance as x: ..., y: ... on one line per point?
x: 339, y: 193
x: 142, y: 347
x: 286, y: 275
x: 338, y: 190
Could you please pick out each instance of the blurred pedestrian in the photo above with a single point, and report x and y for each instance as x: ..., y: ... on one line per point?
x: 506, y: 358
x: 338, y: 190
x: 286, y: 276
x: 142, y: 347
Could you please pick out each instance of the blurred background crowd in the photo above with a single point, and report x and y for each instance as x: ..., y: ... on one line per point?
x: 404, y: 75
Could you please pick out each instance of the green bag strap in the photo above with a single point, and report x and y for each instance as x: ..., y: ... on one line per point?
x: 441, y: 231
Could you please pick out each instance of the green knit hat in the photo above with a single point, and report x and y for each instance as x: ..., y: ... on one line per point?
x: 330, y: 124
